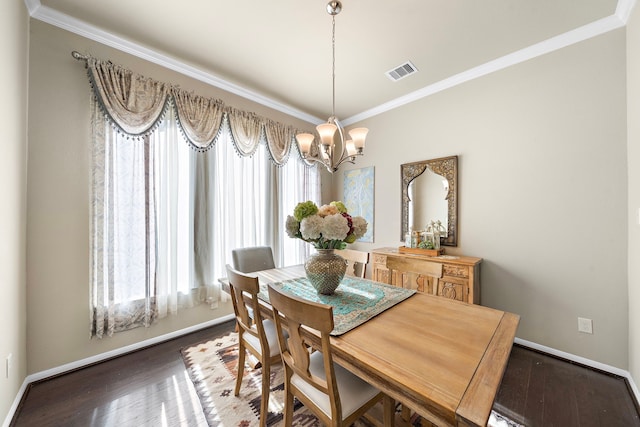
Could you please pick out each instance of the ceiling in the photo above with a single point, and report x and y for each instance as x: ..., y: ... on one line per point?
x: 278, y: 52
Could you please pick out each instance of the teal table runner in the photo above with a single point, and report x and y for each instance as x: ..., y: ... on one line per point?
x: 354, y: 302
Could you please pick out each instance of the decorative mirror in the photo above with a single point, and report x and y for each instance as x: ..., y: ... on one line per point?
x: 429, y: 193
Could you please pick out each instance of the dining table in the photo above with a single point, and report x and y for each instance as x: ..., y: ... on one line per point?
x: 443, y: 359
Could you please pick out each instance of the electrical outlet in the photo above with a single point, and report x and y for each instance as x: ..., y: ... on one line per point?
x: 585, y: 325
x: 8, y: 365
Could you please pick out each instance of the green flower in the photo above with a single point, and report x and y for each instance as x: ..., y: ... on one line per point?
x: 305, y: 209
x: 341, y: 207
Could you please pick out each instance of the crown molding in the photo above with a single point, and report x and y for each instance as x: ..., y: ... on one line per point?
x: 623, y: 9
x: 615, y: 21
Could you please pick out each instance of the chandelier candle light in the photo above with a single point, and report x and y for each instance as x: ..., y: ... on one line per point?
x: 330, y: 156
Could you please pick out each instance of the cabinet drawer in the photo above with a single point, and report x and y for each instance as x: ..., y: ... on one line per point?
x: 455, y: 270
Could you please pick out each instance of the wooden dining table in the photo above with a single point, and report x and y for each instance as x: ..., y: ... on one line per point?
x: 443, y: 359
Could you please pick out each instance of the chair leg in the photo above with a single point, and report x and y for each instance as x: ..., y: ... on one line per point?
x: 288, y: 406
x: 241, y: 354
x: 389, y: 416
x: 406, y: 413
x: 266, y: 386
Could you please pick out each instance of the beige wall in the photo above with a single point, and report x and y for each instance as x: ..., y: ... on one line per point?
x: 633, y: 165
x: 542, y: 189
x: 14, y: 37
x: 58, y: 199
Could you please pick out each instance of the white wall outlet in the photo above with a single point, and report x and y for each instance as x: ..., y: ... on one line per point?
x: 585, y: 325
x: 8, y: 365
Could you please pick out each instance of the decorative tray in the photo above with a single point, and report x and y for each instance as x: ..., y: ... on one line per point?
x: 420, y: 251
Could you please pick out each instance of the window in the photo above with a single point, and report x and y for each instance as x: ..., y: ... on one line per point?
x: 165, y: 218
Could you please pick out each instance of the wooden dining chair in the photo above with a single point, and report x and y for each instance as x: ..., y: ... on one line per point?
x: 335, y: 395
x: 357, y: 262
x: 427, y: 275
x: 254, y: 258
x: 256, y: 335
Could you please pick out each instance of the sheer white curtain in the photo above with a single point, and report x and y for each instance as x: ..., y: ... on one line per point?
x: 175, y: 286
x: 238, y: 198
x: 244, y: 201
x: 297, y: 182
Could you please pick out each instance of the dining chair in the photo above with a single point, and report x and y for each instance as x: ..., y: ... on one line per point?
x: 254, y: 258
x: 427, y: 274
x: 256, y: 335
x: 335, y: 395
x: 357, y: 262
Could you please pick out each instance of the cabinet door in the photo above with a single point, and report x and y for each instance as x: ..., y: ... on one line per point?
x: 457, y: 289
x: 455, y: 282
x: 380, y: 272
x: 416, y: 281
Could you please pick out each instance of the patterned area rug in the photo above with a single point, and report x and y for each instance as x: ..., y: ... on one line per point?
x: 212, y: 366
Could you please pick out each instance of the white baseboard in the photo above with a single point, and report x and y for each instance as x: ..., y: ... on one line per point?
x: 583, y: 361
x: 105, y: 356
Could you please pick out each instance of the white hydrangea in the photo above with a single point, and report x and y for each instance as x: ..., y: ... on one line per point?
x: 359, y: 226
x: 336, y: 227
x: 292, y: 226
x: 311, y: 227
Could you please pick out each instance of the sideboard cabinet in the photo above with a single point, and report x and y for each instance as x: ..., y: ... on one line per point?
x: 455, y: 277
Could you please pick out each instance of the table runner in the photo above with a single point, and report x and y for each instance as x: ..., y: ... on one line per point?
x: 354, y: 302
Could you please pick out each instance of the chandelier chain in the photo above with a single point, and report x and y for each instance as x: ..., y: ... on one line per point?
x: 333, y: 66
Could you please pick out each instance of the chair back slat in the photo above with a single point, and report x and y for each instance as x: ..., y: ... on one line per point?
x: 357, y: 262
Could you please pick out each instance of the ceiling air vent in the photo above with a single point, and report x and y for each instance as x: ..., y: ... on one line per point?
x: 402, y: 71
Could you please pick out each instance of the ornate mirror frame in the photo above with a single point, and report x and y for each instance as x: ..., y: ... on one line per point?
x: 446, y: 167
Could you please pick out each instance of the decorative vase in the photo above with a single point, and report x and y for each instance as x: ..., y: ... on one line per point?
x: 325, y: 270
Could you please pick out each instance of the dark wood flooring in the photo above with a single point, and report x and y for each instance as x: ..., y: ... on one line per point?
x: 151, y: 387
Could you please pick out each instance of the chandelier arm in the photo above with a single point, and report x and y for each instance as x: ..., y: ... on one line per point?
x: 348, y: 159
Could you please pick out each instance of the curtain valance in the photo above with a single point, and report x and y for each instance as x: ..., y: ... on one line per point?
x: 133, y: 103
x: 199, y: 118
x: 279, y: 139
x: 246, y: 129
x: 136, y: 104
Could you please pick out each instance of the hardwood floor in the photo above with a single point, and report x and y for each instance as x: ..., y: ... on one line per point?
x: 540, y: 390
x: 151, y: 387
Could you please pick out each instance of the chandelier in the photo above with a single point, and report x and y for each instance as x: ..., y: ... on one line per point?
x: 332, y: 155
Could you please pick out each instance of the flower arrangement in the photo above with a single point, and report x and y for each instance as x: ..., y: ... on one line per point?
x: 327, y: 227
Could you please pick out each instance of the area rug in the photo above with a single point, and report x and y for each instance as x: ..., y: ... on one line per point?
x: 212, y: 366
